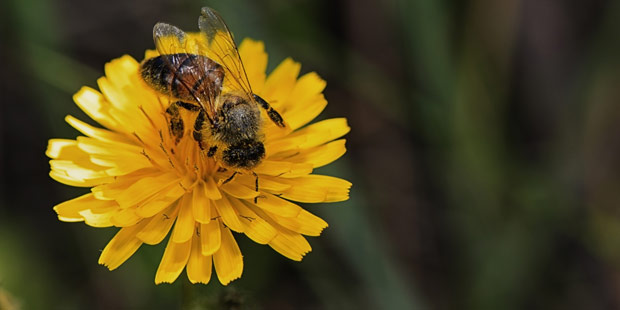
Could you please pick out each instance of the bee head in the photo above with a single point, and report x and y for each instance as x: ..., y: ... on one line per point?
x: 238, y: 120
x: 246, y: 154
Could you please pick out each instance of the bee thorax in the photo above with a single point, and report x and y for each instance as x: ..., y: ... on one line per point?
x: 237, y: 120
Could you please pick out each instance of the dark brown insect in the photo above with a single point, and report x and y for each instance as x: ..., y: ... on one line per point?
x: 228, y: 125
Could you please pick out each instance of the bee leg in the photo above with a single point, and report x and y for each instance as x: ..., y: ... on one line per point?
x: 212, y: 151
x: 230, y: 178
x: 175, y: 123
x: 273, y: 114
x: 188, y: 106
x: 198, y: 125
x: 256, y: 184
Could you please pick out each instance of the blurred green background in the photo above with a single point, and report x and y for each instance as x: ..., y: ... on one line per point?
x: 484, y: 153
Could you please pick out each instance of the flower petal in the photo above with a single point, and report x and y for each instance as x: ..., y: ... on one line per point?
x: 96, y: 107
x: 256, y: 228
x: 212, y: 191
x: 184, y: 226
x: 121, y: 247
x: 70, y: 210
x: 228, y: 214
x: 99, y: 219
x: 280, y: 83
x: 199, y: 267
x: 321, y: 155
x: 281, y: 168
x: 290, y: 244
x: 210, y: 237
x: 305, y: 223
x: 121, y: 158
x: 97, y: 133
x: 158, y: 226
x: 311, y: 136
x: 300, y: 116
x: 201, y: 205
x: 175, y: 258
x: 160, y: 201
x: 125, y: 217
x: 239, y: 191
x: 254, y: 59
x: 273, y: 204
x: 145, y: 188
x: 316, y: 188
x: 264, y: 182
x: 228, y: 260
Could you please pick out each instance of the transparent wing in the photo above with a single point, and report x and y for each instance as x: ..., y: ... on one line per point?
x: 180, y: 55
x: 222, y: 48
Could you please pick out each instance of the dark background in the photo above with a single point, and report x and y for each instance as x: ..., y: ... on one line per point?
x: 484, y: 153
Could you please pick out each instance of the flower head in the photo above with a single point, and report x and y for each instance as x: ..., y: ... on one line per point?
x: 151, y: 184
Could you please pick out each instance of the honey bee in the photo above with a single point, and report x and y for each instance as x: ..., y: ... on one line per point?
x: 228, y: 125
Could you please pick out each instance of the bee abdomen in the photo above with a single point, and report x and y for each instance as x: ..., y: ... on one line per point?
x: 186, y: 77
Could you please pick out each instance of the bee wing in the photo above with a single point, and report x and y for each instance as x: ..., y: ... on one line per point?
x: 222, y: 49
x: 174, y: 46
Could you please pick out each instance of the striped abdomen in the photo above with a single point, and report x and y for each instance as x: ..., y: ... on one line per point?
x: 187, y: 77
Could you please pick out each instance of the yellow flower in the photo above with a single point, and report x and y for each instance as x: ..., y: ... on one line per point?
x: 144, y: 183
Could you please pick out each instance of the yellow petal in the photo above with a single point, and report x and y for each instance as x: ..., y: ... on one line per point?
x: 210, y: 237
x: 175, y: 258
x: 316, y: 188
x: 308, y: 86
x: 99, y: 219
x: 158, y: 226
x: 306, y: 101
x: 201, y: 205
x: 264, y: 182
x: 212, y: 191
x: 160, y: 201
x: 273, y: 204
x: 122, y: 109
x: 70, y: 209
x: 125, y: 110
x: 310, y: 136
x: 280, y: 83
x: 304, y: 113
x: 98, y: 133
x: 281, y: 168
x: 321, y: 155
x: 199, y: 267
x: 121, y: 247
x: 65, y: 149
x: 121, y: 163
x: 255, y: 62
x: 290, y: 244
x: 184, y: 226
x: 72, y: 166
x: 111, y: 190
x: 228, y: 260
x: 228, y: 214
x: 145, y: 188
x: 256, y: 228
x: 120, y: 70
x: 125, y: 217
x: 62, y: 177
x: 237, y: 190
x: 77, y: 174
x: 96, y: 107
x: 305, y: 223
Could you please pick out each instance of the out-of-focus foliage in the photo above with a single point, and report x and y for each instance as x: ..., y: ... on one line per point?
x: 484, y: 153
